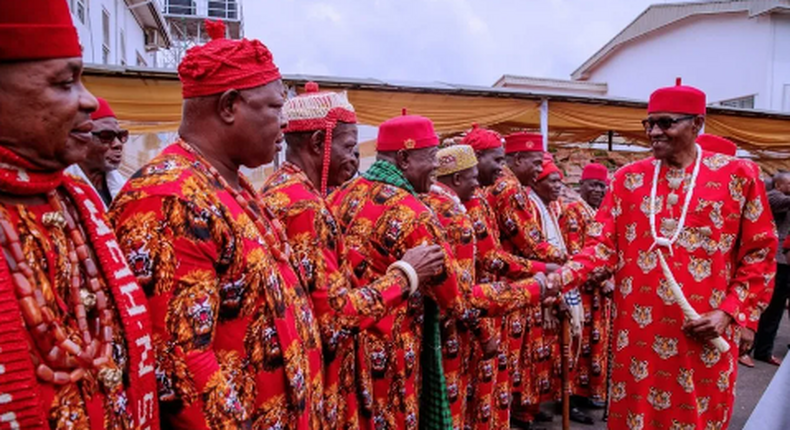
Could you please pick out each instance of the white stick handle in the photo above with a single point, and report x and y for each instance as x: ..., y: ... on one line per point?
x: 719, y: 342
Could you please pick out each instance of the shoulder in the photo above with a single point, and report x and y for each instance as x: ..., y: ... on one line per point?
x: 166, y: 174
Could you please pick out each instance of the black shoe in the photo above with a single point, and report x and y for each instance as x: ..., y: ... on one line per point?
x: 543, y: 417
x: 580, y: 417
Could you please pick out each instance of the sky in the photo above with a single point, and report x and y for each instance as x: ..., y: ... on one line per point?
x: 470, y: 42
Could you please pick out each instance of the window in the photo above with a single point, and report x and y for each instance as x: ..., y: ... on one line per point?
x: 223, y: 9
x: 141, y: 61
x: 123, y: 48
x: 78, y: 6
x: 740, y: 103
x: 105, y: 30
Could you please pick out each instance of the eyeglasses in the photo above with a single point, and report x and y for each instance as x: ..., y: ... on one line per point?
x: 107, y: 137
x: 664, y: 122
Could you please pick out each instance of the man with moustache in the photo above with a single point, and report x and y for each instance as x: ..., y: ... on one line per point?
x: 75, y: 334
x: 683, y: 218
x: 236, y: 340
x: 100, y: 167
x: 322, y: 139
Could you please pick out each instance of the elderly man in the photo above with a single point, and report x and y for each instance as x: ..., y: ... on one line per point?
x: 590, y: 370
x: 321, y: 123
x: 100, y: 167
x: 381, y: 216
x: 236, y: 340
x: 686, y: 218
x: 75, y: 349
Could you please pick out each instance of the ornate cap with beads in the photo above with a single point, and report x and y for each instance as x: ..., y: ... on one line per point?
x: 454, y: 159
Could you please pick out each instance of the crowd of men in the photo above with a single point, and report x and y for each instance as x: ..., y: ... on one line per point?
x: 429, y: 291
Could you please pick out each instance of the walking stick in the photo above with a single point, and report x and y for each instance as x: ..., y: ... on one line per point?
x: 609, y: 359
x: 566, y: 359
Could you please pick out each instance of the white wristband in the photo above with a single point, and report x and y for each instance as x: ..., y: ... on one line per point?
x: 410, y: 273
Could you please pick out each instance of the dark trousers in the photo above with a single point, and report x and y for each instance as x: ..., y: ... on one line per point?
x: 770, y: 319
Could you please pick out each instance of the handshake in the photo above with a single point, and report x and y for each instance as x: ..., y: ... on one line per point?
x: 551, y: 287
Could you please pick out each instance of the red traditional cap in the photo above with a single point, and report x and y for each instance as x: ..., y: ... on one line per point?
x: 37, y: 30
x: 718, y: 144
x: 223, y: 64
x: 104, y: 110
x: 549, y: 167
x: 481, y: 139
x: 523, y: 142
x: 677, y: 99
x: 595, y: 172
x: 406, y: 132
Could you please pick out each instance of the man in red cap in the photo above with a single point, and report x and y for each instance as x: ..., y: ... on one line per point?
x: 321, y: 123
x: 75, y: 344
x: 590, y: 370
x: 237, y: 343
x: 688, y: 237
x: 100, y: 167
x: 381, y: 216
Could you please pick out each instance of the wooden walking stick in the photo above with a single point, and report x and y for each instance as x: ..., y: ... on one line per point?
x: 609, y: 359
x: 566, y: 361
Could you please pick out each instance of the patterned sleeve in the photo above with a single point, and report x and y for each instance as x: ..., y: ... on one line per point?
x: 573, y: 224
x: 174, y: 250
x: 341, y: 307
x: 755, y: 259
x: 600, y: 251
x: 501, y: 298
x: 519, y: 226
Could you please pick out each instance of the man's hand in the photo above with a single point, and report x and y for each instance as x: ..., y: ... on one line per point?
x: 490, y: 348
x: 427, y: 261
x: 551, y: 268
x: 710, y: 325
x: 553, y: 288
x: 607, y: 288
x: 747, y: 341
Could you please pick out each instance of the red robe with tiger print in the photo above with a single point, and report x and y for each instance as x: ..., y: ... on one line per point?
x: 521, y: 233
x: 492, y: 264
x: 342, y: 304
x: 465, y: 370
x: 380, y: 222
x: 726, y: 252
x: 589, y: 371
x: 234, y: 331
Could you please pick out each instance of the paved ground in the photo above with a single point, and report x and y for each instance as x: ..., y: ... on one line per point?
x: 751, y: 384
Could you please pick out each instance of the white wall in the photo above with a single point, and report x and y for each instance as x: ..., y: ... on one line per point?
x: 779, y: 81
x: 726, y: 55
x: 121, y: 18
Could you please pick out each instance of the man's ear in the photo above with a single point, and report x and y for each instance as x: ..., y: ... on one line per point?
x: 226, y: 105
x: 317, y: 142
x: 457, y: 179
x: 403, y: 160
x: 698, y: 123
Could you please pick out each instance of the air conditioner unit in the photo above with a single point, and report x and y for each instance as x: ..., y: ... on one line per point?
x: 153, y: 40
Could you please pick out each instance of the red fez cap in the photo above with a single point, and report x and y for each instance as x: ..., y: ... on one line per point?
x: 406, y: 132
x: 522, y: 142
x: 548, y: 167
x: 37, y: 30
x: 718, y: 144
x: 677, y: 99
x: 595, y: 172
x: 481, y: 139
x: 103, y: 111
x: 223, y: 64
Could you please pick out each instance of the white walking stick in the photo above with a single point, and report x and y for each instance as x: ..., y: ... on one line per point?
x: 719, y: 342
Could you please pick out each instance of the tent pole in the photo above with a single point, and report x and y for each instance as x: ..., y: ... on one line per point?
x: 544, y: 122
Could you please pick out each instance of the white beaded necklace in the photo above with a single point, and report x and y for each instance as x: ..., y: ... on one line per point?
x: 663, y: 241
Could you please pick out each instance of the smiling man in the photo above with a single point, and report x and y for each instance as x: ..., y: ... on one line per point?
x: 706, y: 215
x: 75, y: 333
x: 236, y: 341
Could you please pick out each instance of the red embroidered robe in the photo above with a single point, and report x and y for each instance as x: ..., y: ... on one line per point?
x: 589, y: 375
x: 463, y: 365
x: 30, y: 403
x: 343, y: 305
x: 521, y: 233
x: 380, y: 222
x: 661, y: 378
x: 234, y: 331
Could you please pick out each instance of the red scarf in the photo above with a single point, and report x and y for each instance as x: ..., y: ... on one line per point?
x: 18, y: 378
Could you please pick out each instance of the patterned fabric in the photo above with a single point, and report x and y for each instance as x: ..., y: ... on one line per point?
x: 590, y: 369
x: 88, y: 404
x: 662, y: 378
x: 234, y: 332
x: 380, y: 222
x: 342, y: 305
x: 461, y: 355
x: 534, y: 375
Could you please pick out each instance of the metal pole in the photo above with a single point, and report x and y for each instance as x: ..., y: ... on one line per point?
x: 544, y: 122
x: 611, y: 137
x: 566, y: 358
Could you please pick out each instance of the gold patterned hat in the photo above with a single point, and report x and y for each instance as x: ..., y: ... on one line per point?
x: 455, y: 159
